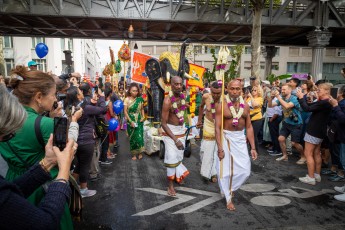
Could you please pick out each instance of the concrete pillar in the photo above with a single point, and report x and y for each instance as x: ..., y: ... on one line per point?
x: 269, y: 52
x: 318, y: 40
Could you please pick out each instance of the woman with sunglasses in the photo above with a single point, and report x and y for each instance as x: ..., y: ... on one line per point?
x: 16, y: 212
x: 255, y: 102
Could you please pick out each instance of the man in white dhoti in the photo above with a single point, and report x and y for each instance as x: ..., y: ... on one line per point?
x: 233, y: 165
x: 174, y: 134
x: 208, y: 148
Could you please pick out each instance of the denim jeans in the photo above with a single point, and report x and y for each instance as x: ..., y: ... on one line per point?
x: 342, y: 154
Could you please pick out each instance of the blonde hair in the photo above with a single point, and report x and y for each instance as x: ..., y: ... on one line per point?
x: 12, y: 113
x: 326, y: 86
x: 259, y: 90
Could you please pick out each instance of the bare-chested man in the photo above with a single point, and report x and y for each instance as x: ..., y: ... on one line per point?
x: 234, y: 164
x: 174, y: 134
x: 208, y: 148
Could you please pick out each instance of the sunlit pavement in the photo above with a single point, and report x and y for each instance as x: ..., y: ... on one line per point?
x: 132, y: 195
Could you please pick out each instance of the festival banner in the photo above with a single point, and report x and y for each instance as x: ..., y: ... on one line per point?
x: 138, y: 67
x: 198, y: 72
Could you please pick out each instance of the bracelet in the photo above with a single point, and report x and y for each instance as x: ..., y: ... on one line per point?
x: 61, y: 180
x: 43, y: 165
x: 253, y: 149
x: 177, y: 141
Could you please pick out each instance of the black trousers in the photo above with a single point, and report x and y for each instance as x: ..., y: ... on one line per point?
x: 84, y: 157
x: 256, y: 127
x: 104, y: 148
x: 274, y: 132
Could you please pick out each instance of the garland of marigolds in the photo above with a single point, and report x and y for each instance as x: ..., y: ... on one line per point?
x: 192, y: 99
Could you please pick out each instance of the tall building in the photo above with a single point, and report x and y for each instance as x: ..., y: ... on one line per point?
x: 288, y: 60
x: 20, y: 50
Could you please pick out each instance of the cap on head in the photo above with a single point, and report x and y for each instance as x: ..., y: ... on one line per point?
x: 32, y: 63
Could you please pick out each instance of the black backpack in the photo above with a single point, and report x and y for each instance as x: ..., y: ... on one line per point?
x: 101, y: 127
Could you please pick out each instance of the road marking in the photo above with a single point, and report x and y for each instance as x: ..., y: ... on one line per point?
x: 181, y: 198
x: 270, y: 201
x: 214, y: 198
x: 257, y: 187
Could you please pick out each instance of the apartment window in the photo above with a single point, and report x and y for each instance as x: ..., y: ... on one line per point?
x: 330, y: 52
x: 70, y: 44
x: 197, y: 49
x: 333, y: 68
x: 275, y: 66
x: 161, y: 49
x: 9, y: 66
x: 147, y: 49
x: 8, y: 42
x: 278, y: 51
x: 341, y: 53
x: 306, y: 52
x: 36, y: 40
x: 298, y: 67
x: 247, y: 50
x: 62, y: 42
x: 247, y: 65
x: 293, y: 52
x: 41, y: 64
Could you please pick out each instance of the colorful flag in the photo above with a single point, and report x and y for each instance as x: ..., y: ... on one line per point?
x: 138, y: 67
x: 198, y: 72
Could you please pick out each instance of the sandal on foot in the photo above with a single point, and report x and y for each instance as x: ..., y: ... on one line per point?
x: 282, y: 159
x: 171, y: 194
x: 134, y: 158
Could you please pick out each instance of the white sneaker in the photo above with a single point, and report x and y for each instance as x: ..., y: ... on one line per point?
x: 340, y: 197
x: 87, y: 192
x: 307, y: 180
x: 340, y: 189
x: 317, y: 177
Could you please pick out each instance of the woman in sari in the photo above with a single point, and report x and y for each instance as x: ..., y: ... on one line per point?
x: 134, y: 112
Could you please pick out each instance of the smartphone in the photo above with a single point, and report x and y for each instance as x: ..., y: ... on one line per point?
x: 60, y: 132
x: 334, y: 92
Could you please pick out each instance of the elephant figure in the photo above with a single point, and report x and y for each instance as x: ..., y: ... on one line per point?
x: 159, y: 72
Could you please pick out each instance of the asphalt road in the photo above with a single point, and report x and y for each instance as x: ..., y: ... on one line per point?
x: 131, y: 195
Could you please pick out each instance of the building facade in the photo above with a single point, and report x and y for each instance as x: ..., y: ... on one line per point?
x: 21, y: 50
x: 288, y: 60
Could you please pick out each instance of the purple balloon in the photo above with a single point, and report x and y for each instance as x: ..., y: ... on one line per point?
x: 41, y: 50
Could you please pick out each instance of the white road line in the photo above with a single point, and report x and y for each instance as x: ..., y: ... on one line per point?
x: 180, y: 199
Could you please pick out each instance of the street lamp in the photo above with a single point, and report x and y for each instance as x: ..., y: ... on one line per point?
x: 131, y: 31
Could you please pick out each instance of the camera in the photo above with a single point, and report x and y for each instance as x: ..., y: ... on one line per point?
x: 293, y: 117
x: 59, y: 97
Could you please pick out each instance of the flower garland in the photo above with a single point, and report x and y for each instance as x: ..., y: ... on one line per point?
x: 213, y: 108
x: 178, y: 111
x: 235, y: 116
x: 192, y: 96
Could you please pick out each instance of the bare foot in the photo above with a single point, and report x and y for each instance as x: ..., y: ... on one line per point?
x: 134, y: 158
x: 230, y: 206
x: 171, y: 191
x: 214, y: 179
x: 140, y: 156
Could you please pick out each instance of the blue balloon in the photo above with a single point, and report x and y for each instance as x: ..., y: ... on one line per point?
x: 118, y: 106
x: 113, y: 123
x: 41, y: 50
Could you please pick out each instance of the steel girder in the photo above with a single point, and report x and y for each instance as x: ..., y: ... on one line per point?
x: 291, y: 12
x: 217, y: 21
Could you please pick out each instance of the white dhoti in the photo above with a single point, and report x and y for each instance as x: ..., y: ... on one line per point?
x: 208, y: 150
x: 195, y: 131
x: 234, y: 169
x: 173, y: 156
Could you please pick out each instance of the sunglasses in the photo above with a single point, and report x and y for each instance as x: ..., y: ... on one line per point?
x: 8, y: 137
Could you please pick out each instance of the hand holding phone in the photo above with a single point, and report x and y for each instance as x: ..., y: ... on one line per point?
x: 60, y: 132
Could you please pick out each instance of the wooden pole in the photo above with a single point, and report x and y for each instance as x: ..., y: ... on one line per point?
x: 222, y: 125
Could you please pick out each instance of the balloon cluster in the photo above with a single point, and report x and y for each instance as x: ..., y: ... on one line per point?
x: 114, y: 123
